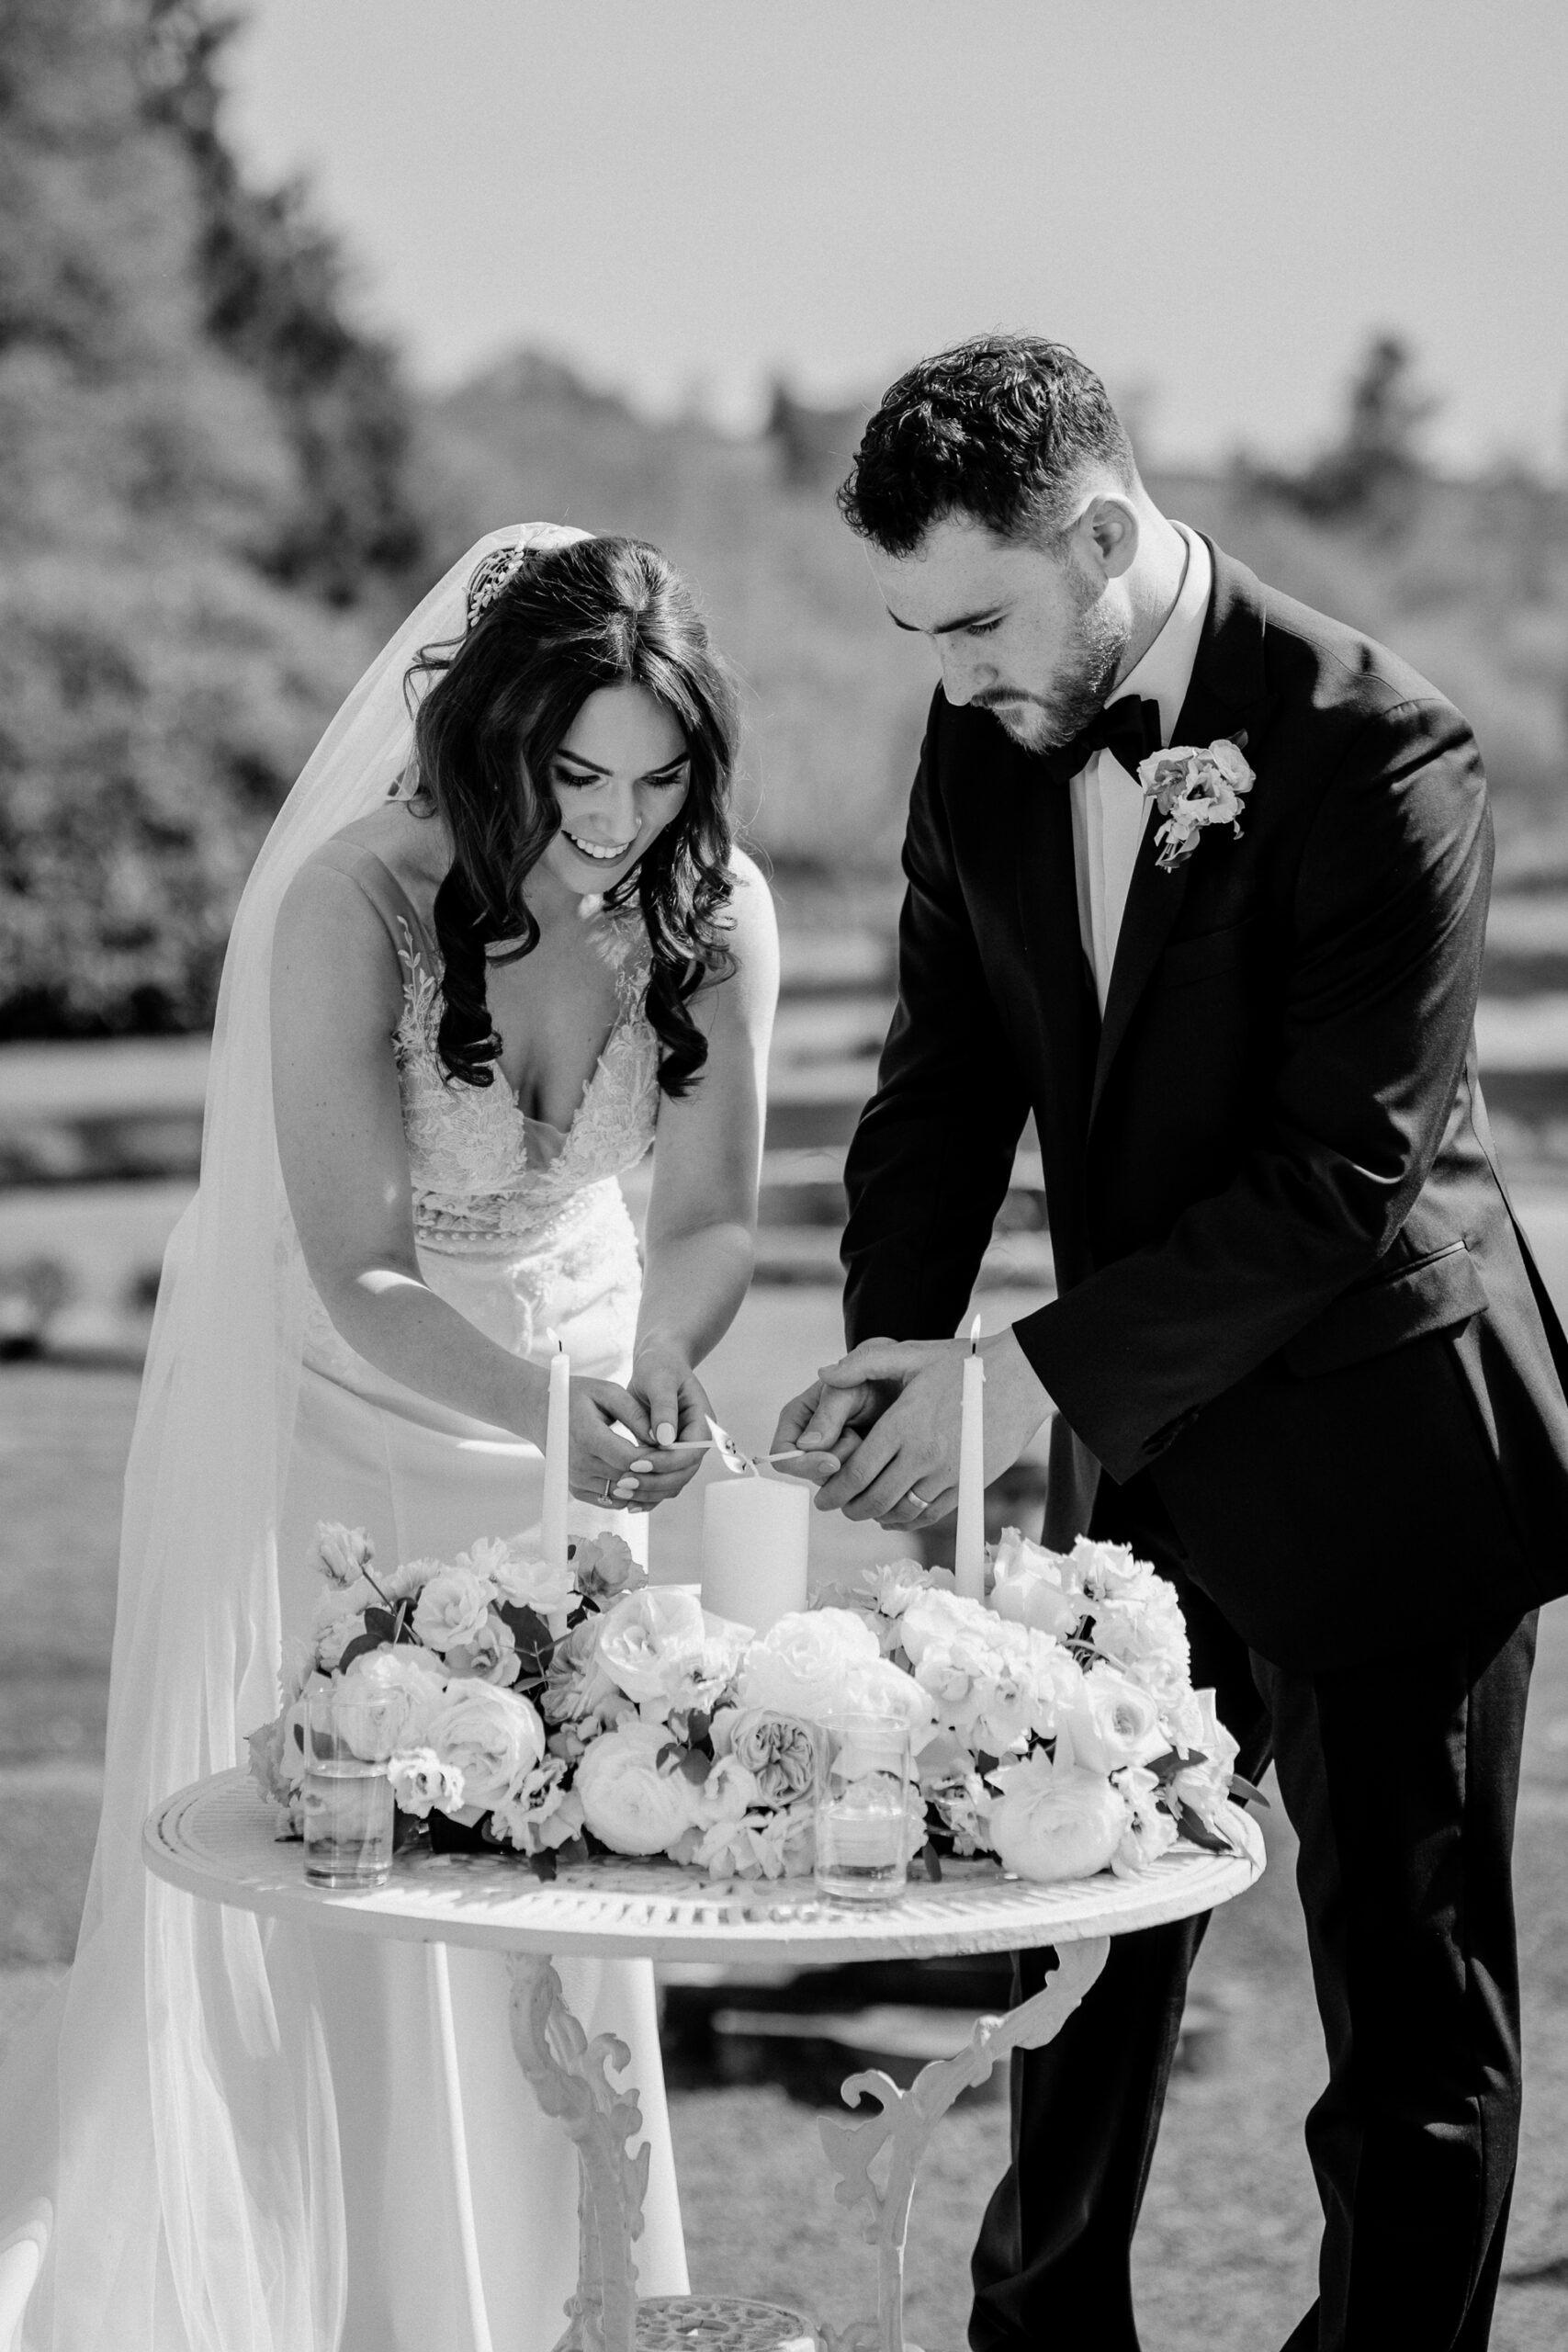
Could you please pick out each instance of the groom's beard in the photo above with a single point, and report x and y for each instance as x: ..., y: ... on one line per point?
x: 1090, y: 671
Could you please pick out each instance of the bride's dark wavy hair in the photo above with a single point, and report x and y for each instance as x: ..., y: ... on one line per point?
x: 602, y: 612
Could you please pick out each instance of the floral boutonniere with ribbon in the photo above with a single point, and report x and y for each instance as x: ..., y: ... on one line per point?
x: 1193, y: 786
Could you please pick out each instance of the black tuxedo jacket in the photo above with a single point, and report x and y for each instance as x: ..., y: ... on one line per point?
x: 1291, y: 1290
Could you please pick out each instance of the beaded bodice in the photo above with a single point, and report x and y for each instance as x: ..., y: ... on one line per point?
x: 488, y: 1179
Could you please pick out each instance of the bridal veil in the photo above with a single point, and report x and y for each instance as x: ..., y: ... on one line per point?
x: 168, y: 2167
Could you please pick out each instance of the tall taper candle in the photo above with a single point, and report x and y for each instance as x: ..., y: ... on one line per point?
x: 755, y: 1534
x: 969, y: 1553
x: 558, y: 1438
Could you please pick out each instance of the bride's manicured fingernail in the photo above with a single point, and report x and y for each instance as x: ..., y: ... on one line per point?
x: 642, y: 1466
x: 665, y: 1432
x: 625, y: 1486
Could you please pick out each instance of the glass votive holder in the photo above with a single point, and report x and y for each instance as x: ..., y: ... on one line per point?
x: 346, y: 1800
x: 862, y: 1818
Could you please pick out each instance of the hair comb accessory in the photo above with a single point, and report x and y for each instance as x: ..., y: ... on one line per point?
x: 487, y: 579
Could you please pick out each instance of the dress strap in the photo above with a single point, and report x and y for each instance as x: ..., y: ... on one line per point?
x: 385, y: 894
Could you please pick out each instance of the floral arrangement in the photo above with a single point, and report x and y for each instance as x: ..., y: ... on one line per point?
x: 554, y: 1713
x: 1193, y: 788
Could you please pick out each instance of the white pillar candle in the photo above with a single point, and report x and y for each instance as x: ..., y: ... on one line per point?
x: 969, y: 1553
x: 755, y: 1536
x: 552, y: 1526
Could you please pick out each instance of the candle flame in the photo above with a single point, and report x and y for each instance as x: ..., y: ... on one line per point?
x: 734, y: 1457
x: 553, y: 1340
x: 973, y: 1335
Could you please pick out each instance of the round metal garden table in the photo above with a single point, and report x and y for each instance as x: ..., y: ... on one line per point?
x: 218, y: 1840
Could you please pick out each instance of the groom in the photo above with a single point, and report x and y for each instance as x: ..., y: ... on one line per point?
x: 1300, y: 1358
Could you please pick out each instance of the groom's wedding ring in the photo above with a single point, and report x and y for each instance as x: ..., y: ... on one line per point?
x: 918, y: 1501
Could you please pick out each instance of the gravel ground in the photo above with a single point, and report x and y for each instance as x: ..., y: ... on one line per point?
x: 1224, y: 2254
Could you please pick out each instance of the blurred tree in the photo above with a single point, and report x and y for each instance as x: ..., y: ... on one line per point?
x: 273, y: 288
x: 1373, y: 475
x: 159, y: 684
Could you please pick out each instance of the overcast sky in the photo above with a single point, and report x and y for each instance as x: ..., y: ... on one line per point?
x: 1215, y: 201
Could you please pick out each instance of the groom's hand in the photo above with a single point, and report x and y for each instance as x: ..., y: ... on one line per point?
x: 904, y: 1472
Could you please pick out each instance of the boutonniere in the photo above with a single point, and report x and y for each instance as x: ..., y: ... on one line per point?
x: 1194, y: 788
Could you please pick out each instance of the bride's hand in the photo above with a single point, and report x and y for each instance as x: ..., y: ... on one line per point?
x: 676, y: 1409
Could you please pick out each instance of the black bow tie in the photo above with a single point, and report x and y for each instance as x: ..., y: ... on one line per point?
x: 1128, y: 730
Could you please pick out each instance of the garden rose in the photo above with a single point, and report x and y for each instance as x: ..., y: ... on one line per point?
x: 1054, y: 1820
x: 1112, y: 1722
x: 341, y: 1554
x: 1033, y: 1586
x: 490, y: 1657
x: 523, y: 1582
x: 603, y: 1566
x: 629, y: 1803
x: 385, y: 1699
x: 452, y: 1607
x: 491, y: 1736
x: 423, y: 1784
x: 780, y: 1751
x: 730, y: 1790
x: 880, y: 1687
x: 663, y: 1649
x: 1206, y: 1786
x: 803, y: 1664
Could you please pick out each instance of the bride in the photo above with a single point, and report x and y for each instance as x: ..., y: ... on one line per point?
x: 499, y: 935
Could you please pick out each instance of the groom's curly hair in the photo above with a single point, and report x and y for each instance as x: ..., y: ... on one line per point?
x: 1002, y: 429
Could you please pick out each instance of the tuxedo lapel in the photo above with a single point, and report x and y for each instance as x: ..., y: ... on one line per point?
x: 1046, y: 881
x: 1226, y: 692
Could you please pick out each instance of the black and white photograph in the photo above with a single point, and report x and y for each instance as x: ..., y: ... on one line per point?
x: 783, y: 1176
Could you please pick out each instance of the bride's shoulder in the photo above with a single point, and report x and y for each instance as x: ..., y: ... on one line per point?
x: 751, y: 937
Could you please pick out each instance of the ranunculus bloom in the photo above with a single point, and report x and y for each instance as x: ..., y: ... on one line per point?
x: 627, y: 1801
x: 1055, y: 1820
x: 423, y: 1784
x: 452, y: 1607
x: 340, y: 1553
x: 802, y: 1665
x: 1112, y: 1722
x: 779, y: 1750
x: 491, y: 1736
x: 385, y: 1699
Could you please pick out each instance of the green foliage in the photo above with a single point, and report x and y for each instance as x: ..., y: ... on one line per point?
x: 161, y: 681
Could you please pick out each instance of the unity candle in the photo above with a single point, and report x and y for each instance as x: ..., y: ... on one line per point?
x: 755, y: 1533
x: 557, y: 1446
x: 969, y: 1552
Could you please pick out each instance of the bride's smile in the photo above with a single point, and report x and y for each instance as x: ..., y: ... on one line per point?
x: 621, y: 775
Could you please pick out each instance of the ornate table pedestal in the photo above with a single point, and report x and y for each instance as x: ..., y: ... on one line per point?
x: 215, y: 1839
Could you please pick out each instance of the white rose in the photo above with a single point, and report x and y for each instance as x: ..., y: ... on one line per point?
x: 341, y: 1554
x: 1031, y: 1588
x: 938, y: 1615
x: 1112, y: 1722
x: 408, y: 1578
x: 491, y: 1736
x: 423, y: 1784
x: 1228, y: 758
x: 803, y: 1664
x: 339, y: 1618
x: 663, y: 1649
x: 880, y: 1687
x: 785, y: 1843
x: 629, y: 1803
x: 523, y: 1582
x: 729, y: 1790
x: 1055, y: 1820
x: 385, y: 1700
x: 452, y: 1607
x: 1206, y: 1786
x: 490, y: 1657
x: 1150, y: 1831
x: 539, y: 1813
x: 1108, y: 1571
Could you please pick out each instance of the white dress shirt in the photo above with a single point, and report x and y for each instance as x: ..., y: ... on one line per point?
x: 1110, y: 811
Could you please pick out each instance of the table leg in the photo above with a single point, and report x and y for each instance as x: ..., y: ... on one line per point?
x: 570, y: 2078
x: 906, y: 2119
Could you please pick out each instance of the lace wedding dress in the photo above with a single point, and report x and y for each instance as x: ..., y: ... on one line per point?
x: 460, y: 2202
x: 221, y: 2135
